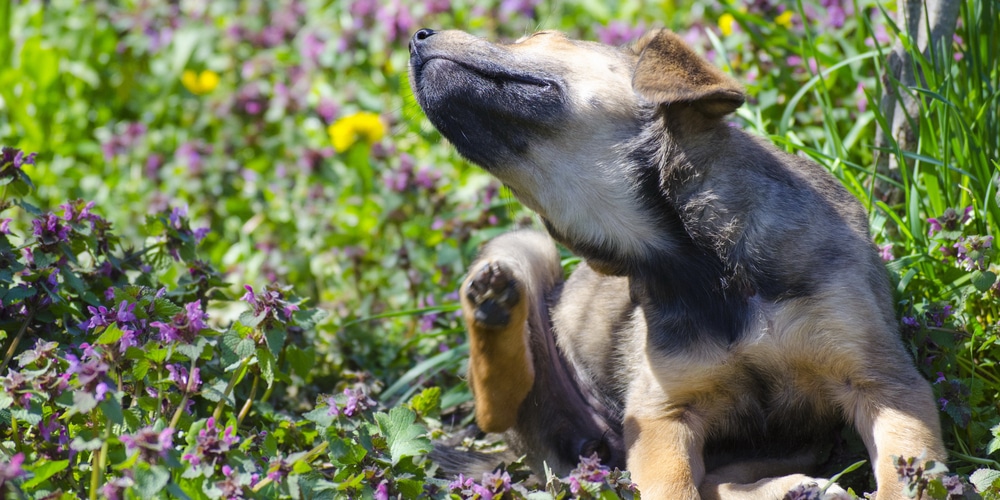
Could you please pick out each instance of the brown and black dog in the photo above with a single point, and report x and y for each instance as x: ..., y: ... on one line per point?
x: 732, y: 307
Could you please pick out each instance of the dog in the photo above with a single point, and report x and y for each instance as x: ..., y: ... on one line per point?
x: 731, y: 307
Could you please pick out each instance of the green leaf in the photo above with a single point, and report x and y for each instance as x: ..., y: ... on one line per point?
x: 112, y: 409
x: 346, y: 451
x: 83, y: 402
x: 193, y: 350
x: 149, y: 482
x: 266, y: 363
x: 428, y: 402
x: 983, y: 280
x: 140, y: 369
x: 234, y: 347
x: 43, y: 471
x: 985, y: 479
x: 275, y: 339
x: 110, y: 335
x: 405, y: 438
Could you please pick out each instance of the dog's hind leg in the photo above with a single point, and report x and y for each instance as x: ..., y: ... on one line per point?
x: 503, y: 297
x: 767, y: 478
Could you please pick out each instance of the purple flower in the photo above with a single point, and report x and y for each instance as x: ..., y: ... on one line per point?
x: 115, y: 488
x: 50, y: 230
x: 12, y: 469
x: 270, y: 304
x: 971, y: 252
x: 885, y: 252
x: 90, y: 370
x: 187, y: 383
x: 311, y: 48
x: 125, y: 312
x: 862, y: 98
x: 619, y: 32
x: 184, y: 326
x: 510, y: 9
x: 949, y: 220
x: 356, y: 401
x: 15, y: 157
x: 149, y: 443
x: 5, y: 226
x: 278, y: 469
x: 211, y: 446
x: 382, y: 491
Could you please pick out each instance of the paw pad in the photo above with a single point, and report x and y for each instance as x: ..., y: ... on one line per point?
x: 493, y: 292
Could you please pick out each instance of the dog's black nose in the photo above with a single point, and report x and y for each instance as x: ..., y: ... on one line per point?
x: 419, y: 37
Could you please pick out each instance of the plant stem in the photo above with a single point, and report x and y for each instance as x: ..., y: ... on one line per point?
x: 187, y: 394
x: 16, y: 341
x: 249, y: 402
x: 237, y: 375
x: 308, y: 457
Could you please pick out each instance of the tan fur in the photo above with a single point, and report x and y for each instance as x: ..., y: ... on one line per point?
x: 823, y: 346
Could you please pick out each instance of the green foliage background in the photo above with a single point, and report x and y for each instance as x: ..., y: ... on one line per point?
x: 374, y: 238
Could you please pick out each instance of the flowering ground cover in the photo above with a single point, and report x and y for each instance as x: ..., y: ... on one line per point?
x: 230, y: 241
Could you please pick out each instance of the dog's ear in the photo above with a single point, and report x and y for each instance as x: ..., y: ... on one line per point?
x: 670, y: 72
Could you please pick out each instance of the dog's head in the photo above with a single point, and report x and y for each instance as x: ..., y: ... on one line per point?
x: 559, y: 122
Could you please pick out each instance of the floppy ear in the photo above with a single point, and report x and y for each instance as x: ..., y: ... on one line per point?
x: 670, y: 72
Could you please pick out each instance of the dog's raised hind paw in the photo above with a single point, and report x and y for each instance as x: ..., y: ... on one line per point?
x: 493, y: 292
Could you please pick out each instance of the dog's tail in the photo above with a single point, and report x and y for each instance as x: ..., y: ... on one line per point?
x: 453, y: 460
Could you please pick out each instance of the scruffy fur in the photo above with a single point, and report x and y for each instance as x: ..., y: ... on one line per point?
x: 731, y: 308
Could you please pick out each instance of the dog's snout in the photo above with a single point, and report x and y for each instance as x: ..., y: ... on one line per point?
x: 419, y: 37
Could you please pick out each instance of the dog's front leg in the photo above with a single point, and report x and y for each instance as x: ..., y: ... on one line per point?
x: 665, y: 444
x: 506, y: 286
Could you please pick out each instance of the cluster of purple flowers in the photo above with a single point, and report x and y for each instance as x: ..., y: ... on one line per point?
x: 121, y: 144
x: 12, y: 159
x: 971, y: 252
x: 187, y: 382
x: 270, y: 304
x: 149, y: 443
x: 406, y: 178
x: 619, y: 32
x: 185, y: 326
x: 91, y: 371
x: 212, y: 445
x: 355, y: 401
x: 493, y: 484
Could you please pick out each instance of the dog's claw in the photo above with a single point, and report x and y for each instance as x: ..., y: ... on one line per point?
x: 493, y: 291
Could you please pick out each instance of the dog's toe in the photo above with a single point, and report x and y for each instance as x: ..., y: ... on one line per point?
x: 493, y: 292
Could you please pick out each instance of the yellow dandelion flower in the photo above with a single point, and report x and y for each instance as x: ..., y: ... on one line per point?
x: 348, y: 130
x: 785, y: 19
x: 726, y: 23
x: 200, y: 83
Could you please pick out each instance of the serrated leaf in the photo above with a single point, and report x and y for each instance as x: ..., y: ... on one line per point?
x: 984, y: 479
x: 983, y: 280
x: 165, y: 308
x: 149, y: 482
x: 248, y: 319
x: 110, y: 335
x: 80, y: 444
x: 112, y: 409
x: 83, y: 402
x: 428, y: 402
x: 404, y: 437
x: 140, y: 369
x: 27, y: 415
x: 266, y: 362
x: 346, y: 451
x: 43, y: 471
x: 275, y: 339
x: 193, y: 350
x: 234, y: 347
x: 5, y: 400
